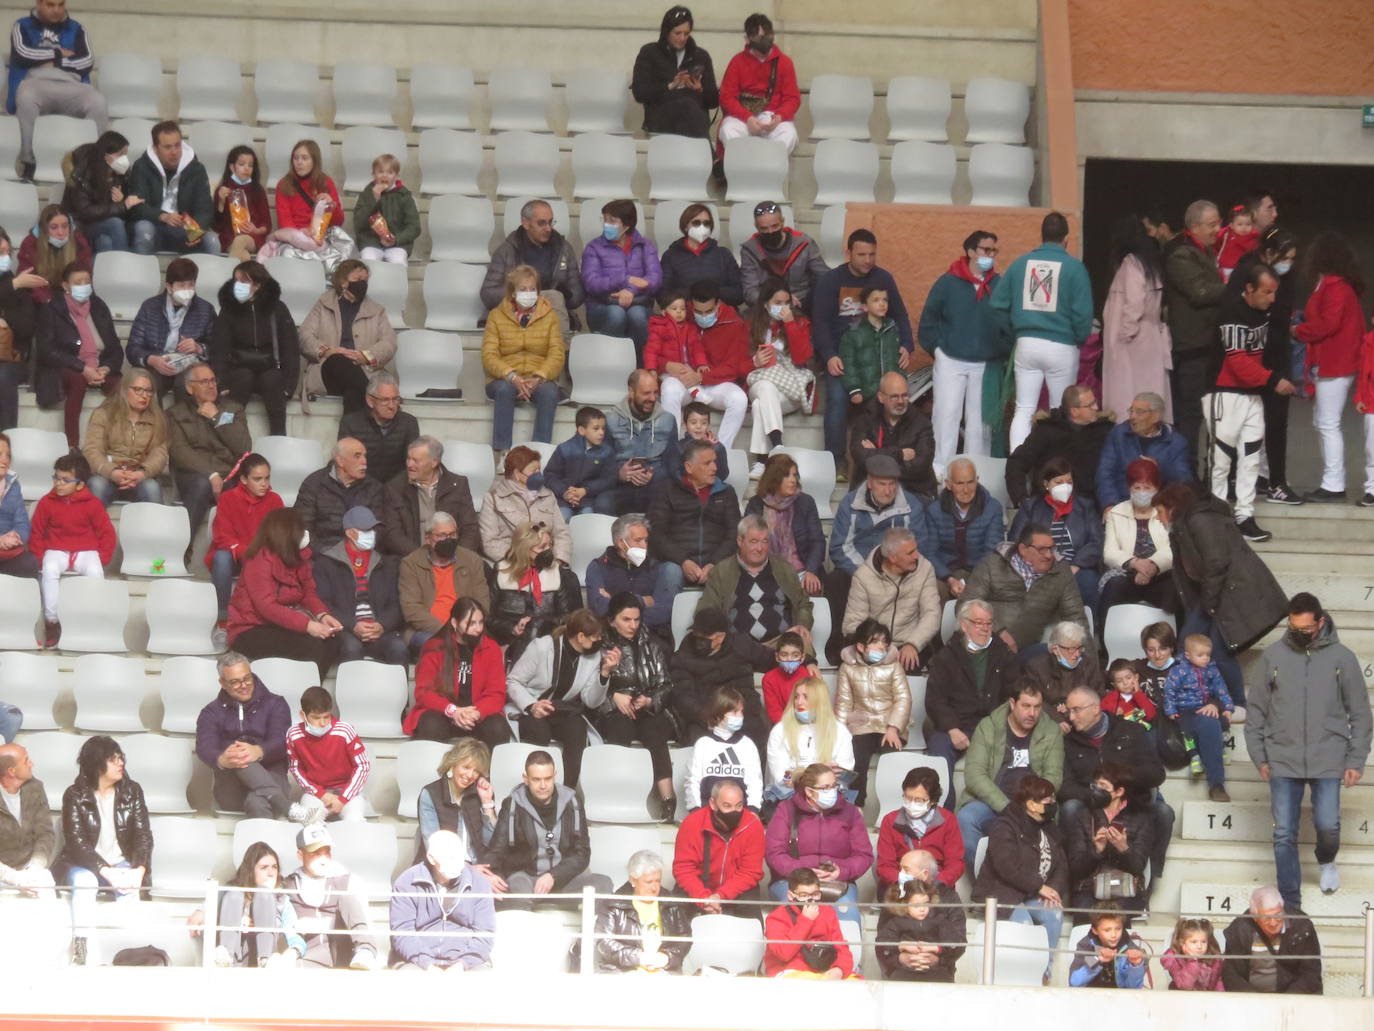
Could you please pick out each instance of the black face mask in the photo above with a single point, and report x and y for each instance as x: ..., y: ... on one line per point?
x: 1099, y: 798
x: 470, y: 639
x: 763, y: 44
x: 545, y: 559
x: 1051, y: 811
x: 727, y: 822
x: 772, y: 240
x: 446, y: 548
x: 358, y: 290
x: 1300, y: 639
x: 700, y: 645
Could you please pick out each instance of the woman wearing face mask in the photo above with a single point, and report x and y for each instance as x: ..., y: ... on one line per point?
x: 780, y: 348
x: 807, y: 733
x: 53, y: 245
x: 242, y: 230
x: 244, y: 502
x: 253, y: 345
x: 96, y: 193
x: 345, y: 337
x: 920, y: 823
x: 532, y: 592
x: 1115, y: 832
x: 1025, y: 861
x: 460, y: 682
x: 126, y: 443
x: 872, y: 698
x: 696, y: 255
x: 1074, y: 522
x: 18, y: 318
x: 724, y: 754
x: 1135, y: 337
x: 275, y: 609
x: 265, y: 932
x: 1135, y: 548
x: 172, y: 328
x: 621, y: 273
x: 516, y: 498
x: 77, y: 349
x: 522, y: 354
x: 674, y: 79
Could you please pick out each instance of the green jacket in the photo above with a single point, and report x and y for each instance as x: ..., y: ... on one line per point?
x: 1025, y: 613
x: 987, y: 750
x: 1046, y: 294
x: 720, y: 587
x: 193, y: 190
x: 1193, y: 292
x: 398, y: 208
x: 196, y: 444
x: 867, y: 353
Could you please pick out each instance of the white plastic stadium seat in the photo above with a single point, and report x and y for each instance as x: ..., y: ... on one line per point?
x: 450, y: 161
x: 597, y: 100
x: 214, y: 271
x: 286, y: 90
x: 845, y: 170
x: 369, y: 850
x: 731, y: 943
x: 9, y: 147
x: 816, y: 470
x: 544, y: 451
x: 1001, y: 175
x: 996, y: 110
x: 441, y: 96
x: 520, y: 99
x: 371, y: 695
x: 186, y: 852
x: 460, y: 229
x: 822, y: 624
x: 589, y: 218
x: 949, y: 620
x: 54, y: 761
x: 361, y: 145
x: 831, y: 240
x: 742, y: 221
x: 918, y: 108
x: 611, y: 848
x: 181, y: 616
x: 603, y: 165
x: 153, y: 538
x: 301, y: 281
x: 138, y: 131
x: 526, y: 162
x: 20, y: 607
x: 131, y: 84
x: 208, y: 87
x: 992, y: 475
x: 684, y: 609
x: 591, y: 536
x: 292, y: 460
x: 923, y: 173
x: 840, y: 107
x: 508, y: 765
x: 599, y: 366
x: 281, y: 139
x: 389, y: 285
x: 364, y: 92
x: 108, y: 690
x: 530, y: 944
x: 1020, y: 952
x: 286, y: 677
x: 738, y: 461
x: 510, y: 219
x: 213, y: 140
x: 667, y: 215
x: 755, y: 169
x: 162, y: 768
x: 187, y: 683
x: 616, y: 782
x: 280, y: 834
x: 416, y: 765
x: 916, y: 735
x: 31, y: 683
x: 678, y: 167
x: 32, y: 453
x: 892, y: 770
x: 980, y: 853
x: 427, y: 358
x: 18, y: 207
x: 1121, y: 635
x: 451, y: 295
x: 471, y: 460
x: 93, y: 613
x: 124, y: 280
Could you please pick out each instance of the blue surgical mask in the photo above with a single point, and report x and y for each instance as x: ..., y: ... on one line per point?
x: 1166, y: 665
x: 610, y: 232
x: 6, y: 262
x: 734, y: 723
x: 58, y: 242
x: 706, y: 321
x: 242, y: 182
x: 985, y: 263
x: 827, y: 797
x: 903, y: 879
x: 789, y: 666
x: 1283, y: 267
x: 367, y: 540
x: 777, y: 311
x: 242, y: 291
x: 81, y: 292
x: 1067, y: 664
x: 315, y: 731
x: 875, y: 655
x: 974, y: 646
x: 803, y: 716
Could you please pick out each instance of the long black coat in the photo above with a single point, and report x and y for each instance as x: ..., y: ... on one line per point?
x: 1011, y: 869
x: 1054, y: 433
x: 680, y: 112
x: 59, y: 346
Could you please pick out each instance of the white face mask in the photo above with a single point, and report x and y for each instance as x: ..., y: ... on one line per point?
x: 120, y: 165
x: 183, y: 297
x: 916, y: 810
x: 827, y: 797
x: 315, y: 731
x: 305, y: 540
x: 1142, y: 498
x: 6, y: 262
x: 636, y: 556
x: 777, y: 311
x: 1283, y: 267
x: 367, y: 540
x: 1061, y: 492
x: 527, y: 298
x: 974, y: 646
x: 699, y: 234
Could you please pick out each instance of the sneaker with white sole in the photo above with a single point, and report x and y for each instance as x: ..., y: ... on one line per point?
x: 365, y: 959
x: 1330, y: 882
x: 1282, y: 494
x: 1252, y: 531
x: 1237, y: 715
x: 1367, y: 500
x: 304, y: 814
x: 756, y: 470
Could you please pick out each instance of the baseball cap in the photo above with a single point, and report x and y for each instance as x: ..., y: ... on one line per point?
x: 313, y: 837
x: 360, y: 517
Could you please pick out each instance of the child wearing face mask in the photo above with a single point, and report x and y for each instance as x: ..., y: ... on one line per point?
x: 872, y: 698
x: 725, y: 753
x: 778, y: 682
x: 1157, y: 641
x: 386, y: 222
x: 328, y: 760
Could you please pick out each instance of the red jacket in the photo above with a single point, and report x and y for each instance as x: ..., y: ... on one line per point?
x: 488, y: 681
x: 786, y: 931
x: 1364, y: 382
x: 259, y: 213
x: 777, y: 689
x: 28, y: 255
x: 671, y: 341
x: 944, y: 841
x: 1332, y: 327
x: 237, y: 518
x: 736, y: 865
x: 1231, y: 248
x: 747, y: 74
x: 798, y: 334
x: 295, y: 210
x: 336, y: 761
x: 727, y: 348
x: 271, y: 593
x: 77, y: 522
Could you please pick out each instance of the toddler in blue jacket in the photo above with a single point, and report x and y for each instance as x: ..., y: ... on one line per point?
x: 1195, y: 695
x: 582, y: 471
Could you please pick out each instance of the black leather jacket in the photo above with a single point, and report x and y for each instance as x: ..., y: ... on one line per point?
x: 643, y: 670
x: 81, y: 827
x: 617, y: 917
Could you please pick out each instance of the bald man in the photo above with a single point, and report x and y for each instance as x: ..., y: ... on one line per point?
x: 27, y: 841
x: 891, y: 426
x: 328, y: 493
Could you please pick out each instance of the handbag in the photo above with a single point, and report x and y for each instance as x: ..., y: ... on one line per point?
x: 1173, y: 749
x: 755, y: 104
x: 819, y: 956
x: 1114, y: 884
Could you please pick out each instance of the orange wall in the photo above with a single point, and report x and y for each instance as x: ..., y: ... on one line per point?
x: 1311, y: 47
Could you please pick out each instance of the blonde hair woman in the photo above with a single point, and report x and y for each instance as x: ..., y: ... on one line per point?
x: 532, y: 592
x: 126, y: 443
x: 807, y: 733
x: 461, y: 800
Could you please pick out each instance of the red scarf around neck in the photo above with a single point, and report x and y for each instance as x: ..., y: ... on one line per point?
x: 982, y: 288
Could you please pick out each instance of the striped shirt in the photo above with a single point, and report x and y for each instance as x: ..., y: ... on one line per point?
x: 336, y: 761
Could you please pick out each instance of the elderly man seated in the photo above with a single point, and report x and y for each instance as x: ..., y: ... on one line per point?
x: 425, y: 486
x: 326, y: 494
x: 435, y: 575
x: 28, y: 842
x: 438, y: 917
x: 1076, y: 430
x: 628, y: 567
x: 206, y: 436
x: 896, y: 586
x: 382, y: 428
x: 631, y: 926
x: 1030, y: 587
x: 1144, y: 434
x: 891, y: 426
x: 963, y: 524
x: 759, y: 593
x: 1272, y: 947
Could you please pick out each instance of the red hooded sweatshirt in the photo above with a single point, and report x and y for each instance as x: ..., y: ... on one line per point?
x: 77, y: 522
x: 727, y: 348
x: 671, y: 341
x: 237, y: 518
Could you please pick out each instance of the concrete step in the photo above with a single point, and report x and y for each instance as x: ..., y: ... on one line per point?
x: 1232, y: 899
x: 1251, y: 821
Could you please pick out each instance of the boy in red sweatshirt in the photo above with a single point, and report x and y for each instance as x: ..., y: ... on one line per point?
x: 791, y: 668
x: 1126, y: 698
x: 71, y: 534
x: 328, y: 760
x: 804, y: 937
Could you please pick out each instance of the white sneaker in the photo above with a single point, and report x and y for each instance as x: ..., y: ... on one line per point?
x: 304, y: 814
x: 1330, y: 881
x: 756, y: 471
x: 365, y: 959
x: 222, y: 957
x: 1238, y: 715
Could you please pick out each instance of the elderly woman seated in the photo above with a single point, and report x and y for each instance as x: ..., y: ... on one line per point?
x: 632, y: 926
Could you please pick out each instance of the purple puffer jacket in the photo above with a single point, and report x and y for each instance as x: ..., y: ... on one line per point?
x: 837, y: 834
x: 606, y: 268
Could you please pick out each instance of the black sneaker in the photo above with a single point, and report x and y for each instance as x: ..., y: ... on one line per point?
x: 1282, y: 494
x: 1252, y: 532
x: 1262, y: 485
x: 26, y: 171
x: 1367, y: 501
x: 1322, y: 496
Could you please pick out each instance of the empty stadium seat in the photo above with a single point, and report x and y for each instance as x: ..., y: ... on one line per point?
x: 731, y: 943
x: 822, y: 624
x: 590, y: 219
x: 187, y: 683
x: 31, y: 684
x: 1001, y: 175
x: 846, y: 170
x: 992, y: 475
x: 181, y: 616
x: 426, y: 358
x: 460, y: 229
x: 361, y: 146
x: 301, y: 281
x: 530, y: 944
x: 417, y: 763
x: 286, y: 677
x: 451, y: 295
x: 816, y: 470
x: 124, y: 280
x: 996, y: 110
x: 599, y: 366
x: 949, y: 620
x: 292, y: 460
x: 616, y: 782
x: 1121, y: 634
x: 213, y: 140
x: 611, y: 848
x: 738, y: 461
x: 923, y: 173
x: 371, y: 696
x: 214, y: 271
x: 840, y: 107
x: 286, y: 90
x: 742, y: 221
x: 187, y: 850
x: 108, y: 690
x: 510, y: 219
x: 209, y: 87
x: 1019, y: 953
x: 280, y: 834
x: 755, y: 169
x: 18, y: 207
x: 93, y: 613
x: 153, y: 538
x: 364, y: 94
x: 591, y: 536
x: 916, y: 735
x: 162, y: 768
x: 368, y: 851
x: 389, y: 285
x: 474, y: 461
x: 667, y: 215
x: 281, y: 140
x: 44, y: 927
x: 678, y: 167
x: 526, y: 162
x: 20, y: 607
x: 520, y: 99
x: 54, y: 761
x: 32, y: 453
x: 450, y: 161
x: 892, y: 770
x: 441, y: 96
x: 684, y: 608
x: 597, y: 100
x: 831, y: 239
x: 130, y: 83
x: 918, y: 108
x: 508, y: 765
x: 138, y: 131
x: 603, y: 165
x: 9, y: 147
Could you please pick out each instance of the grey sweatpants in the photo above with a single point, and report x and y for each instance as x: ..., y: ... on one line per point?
x: 51, y: 91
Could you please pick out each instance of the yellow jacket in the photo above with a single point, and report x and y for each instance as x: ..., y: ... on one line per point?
x: 533, y: 350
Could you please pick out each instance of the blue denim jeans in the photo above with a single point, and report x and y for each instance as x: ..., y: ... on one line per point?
x: 11, y: 719
x: 150, y: 237
x: 1206, y: 733
x: 974, y: 819
x: 223, y: 569
x: 1285, y: 800
x: 505, y: 397
x: 84, y: 884
x: 107, y: 493
x: 836, y: 418
x: 615, y: 321
x: 1198, y: 622
x: 1051, y: 918
x: 109, y: 234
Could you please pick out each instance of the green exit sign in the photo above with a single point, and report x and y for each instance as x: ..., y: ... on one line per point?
x: 1367, y: 117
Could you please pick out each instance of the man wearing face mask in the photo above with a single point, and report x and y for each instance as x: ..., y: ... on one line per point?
x: 172, y: 329
x: 718, y: 855
x: 437, y: 917
x: 1070, y: 662
x: 434, y: 576
x: 1308, y: 726
x: 759, y: 94
x: 360, y: 586
x: 627, y: 567
x: 325, y: 899
x: 776, y: 251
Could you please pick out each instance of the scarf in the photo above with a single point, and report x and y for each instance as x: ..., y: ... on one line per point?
x: 777, y: 513
x: 1060, y: 511
x: 175, y: 317
x: 89, y: 350
x: 959, y: 269
x: 530, y: 582
x: 1023, y: 569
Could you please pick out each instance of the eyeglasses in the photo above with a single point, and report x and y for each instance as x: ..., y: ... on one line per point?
x: 990, y: 251
x: 142, y: 391
x: 64, y: 480
x: 203, y: 379
x: 1044, y: 549
x: 1074, y: 710
x: 543, y: 223
x: 386, y: 400
x: 700, y: 222
x: 981, y: 624
x: 240, y: 682
x: 767, y: 207
x: 1072, y: 649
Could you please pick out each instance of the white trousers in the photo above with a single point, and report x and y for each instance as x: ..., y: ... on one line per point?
x: 1332, y: 392
x: 783, y: 132
x: 55, y: 563
x: 1369, y: 453
x: 395, y: 255
x: 958, y: 388
x: 1235, y: 426
x: 352, y: 811
x: 769, y: 408
x: 1039, y: 363
x: 723, y: 397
